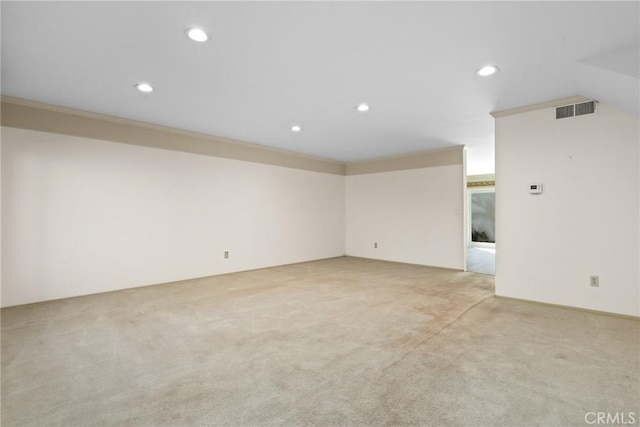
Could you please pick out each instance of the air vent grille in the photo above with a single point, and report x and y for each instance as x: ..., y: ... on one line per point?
x: 564, y: 112
x: 587, y: 107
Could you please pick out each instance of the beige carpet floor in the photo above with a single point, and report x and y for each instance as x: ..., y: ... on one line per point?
x: 344, y: 341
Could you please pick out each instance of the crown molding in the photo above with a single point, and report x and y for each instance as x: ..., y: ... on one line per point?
x: 42, y: 117
x: 422, y: 159
x: 38, y: 116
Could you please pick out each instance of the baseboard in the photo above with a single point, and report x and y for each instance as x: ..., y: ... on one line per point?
x: 173, y: 282
x: 405, y: 263
x: 586, y: 310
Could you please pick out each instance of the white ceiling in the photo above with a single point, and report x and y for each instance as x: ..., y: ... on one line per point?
x: 269, y: 65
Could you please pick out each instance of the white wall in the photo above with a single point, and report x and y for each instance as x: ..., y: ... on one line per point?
x: 587, y: 221
x: 82, y: 216
x: 416, y: 216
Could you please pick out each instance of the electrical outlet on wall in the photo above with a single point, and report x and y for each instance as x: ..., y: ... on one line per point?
x: 375, y: 245
x: 226, y: 254
x: 594, y: 281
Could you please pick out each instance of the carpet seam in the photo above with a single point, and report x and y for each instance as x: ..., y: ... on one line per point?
x: 435, y: 333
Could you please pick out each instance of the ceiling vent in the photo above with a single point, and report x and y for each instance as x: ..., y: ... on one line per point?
x: 580, y: 109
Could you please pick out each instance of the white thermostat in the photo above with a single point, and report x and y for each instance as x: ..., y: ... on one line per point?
x: 535, y: 188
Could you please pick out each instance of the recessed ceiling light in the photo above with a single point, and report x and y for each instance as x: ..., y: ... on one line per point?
x: 296, y: 128
x: 197, y: 34
x: 487, y: 70
x: 362, y: 108
x: 144, y: 87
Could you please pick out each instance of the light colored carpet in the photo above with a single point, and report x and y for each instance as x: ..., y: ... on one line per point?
x: 344, y: 341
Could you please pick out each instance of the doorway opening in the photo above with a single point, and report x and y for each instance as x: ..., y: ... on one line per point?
x: 481, y: 240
